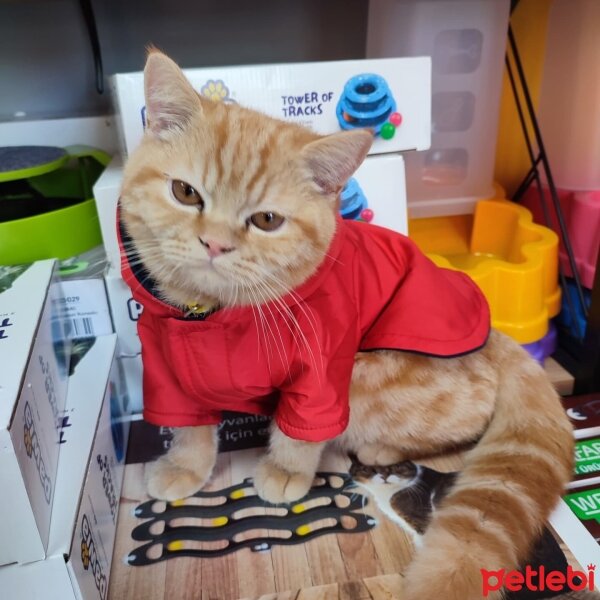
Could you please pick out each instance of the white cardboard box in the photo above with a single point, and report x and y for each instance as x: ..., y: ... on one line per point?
x: 33, y: 383
x: 305, y: 93
x: 42, y: 580
x: 107, y: 190
x: 573, y: 533
x: 125, y: 312
x: 94, y: 386
x: 133, y: 371
x: 380, y: 177
x: 88, y: 486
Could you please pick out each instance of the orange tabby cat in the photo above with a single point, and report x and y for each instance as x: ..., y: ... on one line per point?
x: 203, y: 203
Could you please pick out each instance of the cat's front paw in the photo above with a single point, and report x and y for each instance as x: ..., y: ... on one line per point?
x: 167, y: 481
x: 278, y: 486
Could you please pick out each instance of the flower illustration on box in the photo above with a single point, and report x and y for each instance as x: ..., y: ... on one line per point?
x: 216, y: 90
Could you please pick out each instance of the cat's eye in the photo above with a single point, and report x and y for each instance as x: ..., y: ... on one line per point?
x: 267, y: 221
x: 186, y: 194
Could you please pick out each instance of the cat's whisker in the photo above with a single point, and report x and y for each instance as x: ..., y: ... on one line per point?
x: 268, y: 306
x: 300, y: 301
x: 264, y: 294
x: 267, y: 346
x: 300, y: 331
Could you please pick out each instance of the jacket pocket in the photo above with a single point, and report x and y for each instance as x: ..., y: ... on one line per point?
x: 198, y: 354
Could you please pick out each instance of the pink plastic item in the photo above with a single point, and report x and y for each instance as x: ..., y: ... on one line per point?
x: 582, y: 215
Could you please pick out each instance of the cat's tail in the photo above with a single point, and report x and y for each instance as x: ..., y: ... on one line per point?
x: 510, y: 483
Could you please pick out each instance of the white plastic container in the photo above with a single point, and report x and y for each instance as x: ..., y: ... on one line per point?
x: 466, y: 40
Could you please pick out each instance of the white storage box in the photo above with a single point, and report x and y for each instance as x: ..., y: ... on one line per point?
x: 33, y: 376
x: 311, y: 94
x: 466, y: 40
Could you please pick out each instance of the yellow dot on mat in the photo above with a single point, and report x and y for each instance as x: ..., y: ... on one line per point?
x: 237, y: 494
x: 303, y: 530
x: 220, y: 521
x: 177, y: 502
x: 298, y: 508
x: 174, y: 546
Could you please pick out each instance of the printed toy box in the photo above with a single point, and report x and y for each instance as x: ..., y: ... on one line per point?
x: 391, y: 96
x: 125, y: 312
x: 88, y: 484
x: 33, y: 384
x: 378, y: 185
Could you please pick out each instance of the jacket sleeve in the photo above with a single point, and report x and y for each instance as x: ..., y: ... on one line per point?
x: 165, y: 401
x: 314, y: 398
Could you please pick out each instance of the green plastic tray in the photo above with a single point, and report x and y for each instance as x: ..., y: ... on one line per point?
x: 64, y: 232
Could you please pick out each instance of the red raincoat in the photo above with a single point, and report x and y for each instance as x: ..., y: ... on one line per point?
x: 375, y: 290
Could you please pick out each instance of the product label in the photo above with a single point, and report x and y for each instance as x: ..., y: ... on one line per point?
x: 83, y: 309
x: 587, y: 457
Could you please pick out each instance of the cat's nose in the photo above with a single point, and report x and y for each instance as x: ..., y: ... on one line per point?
x: 215, y: 248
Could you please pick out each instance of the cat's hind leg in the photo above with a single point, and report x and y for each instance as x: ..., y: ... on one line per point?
x: 406, y: 406
x: 186, y: 467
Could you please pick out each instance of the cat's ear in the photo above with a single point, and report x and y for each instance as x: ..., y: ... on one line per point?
x: 333, y: 159
x: 170, y: 99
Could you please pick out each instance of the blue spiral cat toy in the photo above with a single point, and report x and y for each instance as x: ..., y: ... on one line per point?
x: 366, y: 101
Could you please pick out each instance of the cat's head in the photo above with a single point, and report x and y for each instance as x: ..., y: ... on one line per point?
x: 399, y: 473
x: 226, y: 204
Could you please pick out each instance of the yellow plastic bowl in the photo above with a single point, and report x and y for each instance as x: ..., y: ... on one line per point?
x: 513, y: 260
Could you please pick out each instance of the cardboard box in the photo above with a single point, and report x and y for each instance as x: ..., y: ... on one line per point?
x: 107, y: 190
x: 579, y: 533
x: 33, y: 384
x: 125, y: 312
x: 304, y: 93
x: 94, y: 388
x: 133, y: 371
x: 88, y: 485
x: 42, y: 580
x: 381, y: 179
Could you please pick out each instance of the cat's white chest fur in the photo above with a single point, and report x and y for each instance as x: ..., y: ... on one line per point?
x: 382, y: 492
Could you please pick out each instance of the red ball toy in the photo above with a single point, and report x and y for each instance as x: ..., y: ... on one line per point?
x: 395, y: 119
x: 366, y: 215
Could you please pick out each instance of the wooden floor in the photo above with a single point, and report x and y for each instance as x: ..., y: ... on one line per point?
x: 354, y: 566
x: 351, y: 566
